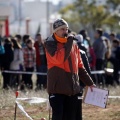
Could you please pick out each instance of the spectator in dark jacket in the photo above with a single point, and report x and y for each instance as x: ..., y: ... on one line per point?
x: 7, y: 59
x: 82, y: 85
x: 2, y: 51
x: 112, y: 36
x: 100, y: 49
x: 115, y: 59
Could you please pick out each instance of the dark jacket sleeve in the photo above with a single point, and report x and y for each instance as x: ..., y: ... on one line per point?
x: 86, y: 65
x: 84, y: 77
x: 85, y: 62
x: 51, y: 47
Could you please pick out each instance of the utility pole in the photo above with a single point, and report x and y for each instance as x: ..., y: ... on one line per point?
x: 19, y: 13
x: 47, y: 17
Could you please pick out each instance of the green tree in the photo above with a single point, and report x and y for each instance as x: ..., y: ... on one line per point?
x: 113, y: 3
x: 86, y: 15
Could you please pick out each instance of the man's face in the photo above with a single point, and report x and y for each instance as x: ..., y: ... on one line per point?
x: 39, y: 38
x: 30, y: 44
x: 20, y: 41
x: 112, y: 37
x: 96, y: 35
x: 61, y: 32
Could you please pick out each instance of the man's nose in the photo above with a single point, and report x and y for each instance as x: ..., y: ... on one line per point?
x: 66, y: 32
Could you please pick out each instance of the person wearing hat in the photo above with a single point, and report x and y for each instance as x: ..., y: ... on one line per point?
x: 80, y: 43
x: 65, y: 68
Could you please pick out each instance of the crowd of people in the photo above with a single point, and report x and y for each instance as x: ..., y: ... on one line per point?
x: 23, y: 54
x: 27, y: 54
x: 103, y: 53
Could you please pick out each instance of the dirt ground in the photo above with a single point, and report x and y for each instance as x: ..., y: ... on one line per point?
x: 38, y: 111
x: 112, y: 112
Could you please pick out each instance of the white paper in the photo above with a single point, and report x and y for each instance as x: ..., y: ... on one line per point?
x: 97, y: 97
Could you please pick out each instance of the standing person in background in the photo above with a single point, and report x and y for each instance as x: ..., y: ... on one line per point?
x: 91, y: 55
x: 79, y: 38
x: 108, y: 52
x: 83, y: 52
x: 65, y: 68
x: 82, y: 85
x: 41, y: 62
x: 100, y: 49
x: 112, y: 36
x: 115, y: 59
x: 29, y: 54
x: 25, y: 38
x: 19, y: 38
x: 91, y: 59
x: 2, y: 51
x: 16, y: 63
x: 85, y: 42
x: 7, y: 59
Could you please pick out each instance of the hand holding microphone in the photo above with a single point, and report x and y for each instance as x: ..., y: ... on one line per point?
x: 70, y: 36
x: 69, y: 40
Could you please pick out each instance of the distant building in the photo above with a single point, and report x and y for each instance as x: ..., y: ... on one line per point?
x: 20, y: 14
x: 8, y: 14
x: 39, y: 13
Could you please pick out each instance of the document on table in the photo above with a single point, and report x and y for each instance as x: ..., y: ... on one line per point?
x: 97, y: 97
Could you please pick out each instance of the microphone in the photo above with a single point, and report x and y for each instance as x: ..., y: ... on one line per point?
x: 65, y: 35
x: 74, y: 37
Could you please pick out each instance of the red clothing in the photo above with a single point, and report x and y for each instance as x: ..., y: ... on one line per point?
x: 36, y: 45
x: 93, y: 57
x: 39, y: 60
